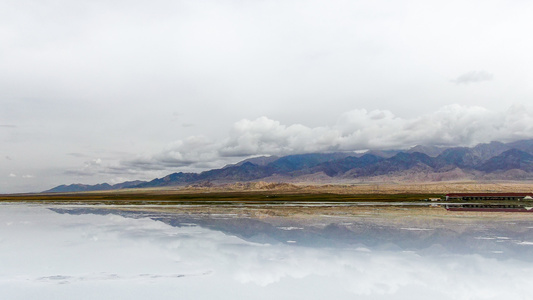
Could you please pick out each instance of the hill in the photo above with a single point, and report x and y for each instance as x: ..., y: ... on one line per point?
x: 490, y: 161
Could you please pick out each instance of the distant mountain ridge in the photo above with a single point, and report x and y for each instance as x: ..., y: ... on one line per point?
x: 493, y: 160
x: 97, y: 187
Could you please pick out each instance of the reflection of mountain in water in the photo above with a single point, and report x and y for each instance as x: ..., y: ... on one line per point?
x: 492, y: 239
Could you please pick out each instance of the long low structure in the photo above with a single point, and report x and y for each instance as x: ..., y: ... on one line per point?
x: 488, y: 196
x: 490, y: 208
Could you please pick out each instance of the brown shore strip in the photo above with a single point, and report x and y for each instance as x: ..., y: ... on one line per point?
x: 278, y: 192
x: 439, y: 187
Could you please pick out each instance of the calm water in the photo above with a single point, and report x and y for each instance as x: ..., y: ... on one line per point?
x: 69, y: 252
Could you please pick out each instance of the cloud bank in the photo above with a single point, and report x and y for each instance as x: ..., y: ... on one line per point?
x: 356, y: 130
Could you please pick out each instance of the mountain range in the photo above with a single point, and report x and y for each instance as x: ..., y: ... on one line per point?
x: 490, y: 161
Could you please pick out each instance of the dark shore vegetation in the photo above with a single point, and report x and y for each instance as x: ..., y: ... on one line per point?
x: 214, y: 198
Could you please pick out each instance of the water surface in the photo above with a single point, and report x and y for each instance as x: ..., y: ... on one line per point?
x: 88, y: 252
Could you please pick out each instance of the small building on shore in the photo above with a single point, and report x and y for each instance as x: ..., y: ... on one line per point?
x: 489, y: 196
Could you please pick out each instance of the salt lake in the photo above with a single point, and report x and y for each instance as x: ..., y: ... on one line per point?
x: 93, y: 252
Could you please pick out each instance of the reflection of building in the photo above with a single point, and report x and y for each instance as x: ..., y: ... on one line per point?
x: 489, y: 196
x: 489, y: 207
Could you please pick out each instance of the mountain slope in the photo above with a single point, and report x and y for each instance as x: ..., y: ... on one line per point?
x: 509, y: 160
x: 515, y: 159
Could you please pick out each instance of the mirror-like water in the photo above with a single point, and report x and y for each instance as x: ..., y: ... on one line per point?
x: 68, y: 252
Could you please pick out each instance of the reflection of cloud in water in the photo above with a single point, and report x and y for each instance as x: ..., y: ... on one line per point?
x: 137, y: 258
x: 290, y: 228
x: 62, y: 279
x: 416, y: 229
x: 525, y: 243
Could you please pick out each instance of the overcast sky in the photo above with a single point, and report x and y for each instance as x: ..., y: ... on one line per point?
x: 107, y: 91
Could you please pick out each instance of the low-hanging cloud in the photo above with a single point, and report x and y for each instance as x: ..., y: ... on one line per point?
x: 356, y: 130
x: 473, y: 76
x: 194, y: 151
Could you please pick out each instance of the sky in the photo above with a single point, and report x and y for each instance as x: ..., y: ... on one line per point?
x: 108, y: 91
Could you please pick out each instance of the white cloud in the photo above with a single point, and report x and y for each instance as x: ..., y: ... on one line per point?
x: 473, y: 76
x: 93, y: 162
x: 194, y: 151
x: 12, y: 175
x: 266, y: 136
x: 453, y: 125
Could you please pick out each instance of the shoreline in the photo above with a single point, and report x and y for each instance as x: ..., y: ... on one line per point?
x: 258, y: 200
